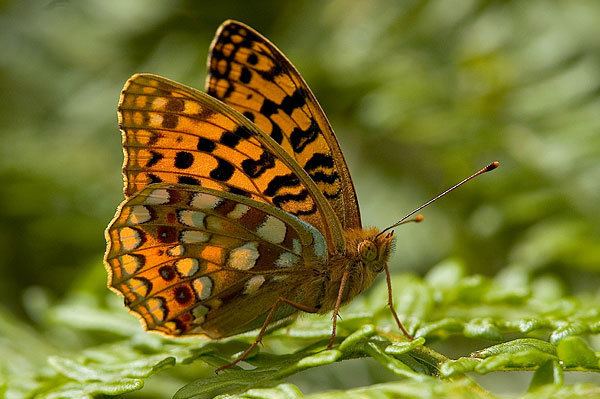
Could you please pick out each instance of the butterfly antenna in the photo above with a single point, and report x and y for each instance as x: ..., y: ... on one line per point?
x: 488, y: 168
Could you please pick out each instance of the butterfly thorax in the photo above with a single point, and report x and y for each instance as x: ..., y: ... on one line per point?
x: 366, y: 256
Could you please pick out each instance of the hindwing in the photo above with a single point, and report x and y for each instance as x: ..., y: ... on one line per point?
x: 192, y: 260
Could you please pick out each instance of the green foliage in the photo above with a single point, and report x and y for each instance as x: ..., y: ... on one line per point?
x: 519, y: 332
x: 420, y: 94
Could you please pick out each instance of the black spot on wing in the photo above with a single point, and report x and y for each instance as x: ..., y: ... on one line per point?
x: 299, y: 139
x: 245, y: 75
x: 166, y: 234
x: 153, y: 178
x: 205, y: 145
x: 175, y: 105
x: 223, y: 171
x: 276, y: 133
x: 243, y: 132
x: 249, y: 115
x: 229, y: 139
x: 268, y: 108
x: 296, y: 100
x: 179, y: 325
x: 321, y: 177
x: 156, y: 156
x: 168, y: 273
x: 170, y: 121
x: 255, y: 168
x: 320, y: 168
x: 272, y: 73
x: 183, y: 294
x: 183, y: 160
x: 188, y: 180
x: 279, y: 182
x: 319, y: 160
x: 252, y: 59
x: 280, y: 201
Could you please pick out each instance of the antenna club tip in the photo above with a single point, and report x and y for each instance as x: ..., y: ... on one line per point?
x: 492, y: 166
x: 419, y: 218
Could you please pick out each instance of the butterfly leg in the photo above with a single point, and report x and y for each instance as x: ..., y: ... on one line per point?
x: 336, y: 309
x: 263, y: 330
x: 388, y: 279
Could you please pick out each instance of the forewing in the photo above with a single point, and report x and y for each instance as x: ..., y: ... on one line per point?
x: 249, y: 73
x: 192, y: 260
x: 173, y: 133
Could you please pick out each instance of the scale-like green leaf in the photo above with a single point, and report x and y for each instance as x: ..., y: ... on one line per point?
x: 575, y: 352
x: 548, y: 373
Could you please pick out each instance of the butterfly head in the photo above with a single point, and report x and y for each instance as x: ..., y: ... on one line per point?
x: 374, y: 251
x: 367, y: 255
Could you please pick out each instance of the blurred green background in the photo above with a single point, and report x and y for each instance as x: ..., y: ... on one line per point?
x: 420, y: 94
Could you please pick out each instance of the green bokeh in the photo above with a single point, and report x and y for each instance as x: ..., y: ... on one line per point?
x: 420, y: 93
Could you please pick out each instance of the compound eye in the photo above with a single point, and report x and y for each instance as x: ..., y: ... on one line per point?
x: 367, y: 250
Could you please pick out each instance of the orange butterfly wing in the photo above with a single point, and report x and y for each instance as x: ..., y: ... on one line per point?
x: 249, y: 73
x: 175, y: 134
x: 191, y: 260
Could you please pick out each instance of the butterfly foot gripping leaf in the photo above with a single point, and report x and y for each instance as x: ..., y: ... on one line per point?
x: 239, y: 210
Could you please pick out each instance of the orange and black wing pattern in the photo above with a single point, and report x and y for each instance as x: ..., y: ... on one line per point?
x: 192, y: 260
x: 247, y: 72
x: 175, y: 134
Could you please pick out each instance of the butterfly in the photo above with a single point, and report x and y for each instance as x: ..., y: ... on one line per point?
x: 240, y: 210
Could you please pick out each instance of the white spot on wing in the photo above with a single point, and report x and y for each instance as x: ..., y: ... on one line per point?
x: 287, y: 259
x: 157, y: 197
x: 177, y: 250
x: 139, y: 214
x: 253, y: 284
x: 272, y: 230
x: 194, y: 236
x: 297, y: 247
x: 203, y: 287
x: 318, y: 246
x: 187, y: 266
x: 191, y: 218
x: 129, y: 238
x: 205, y: 201
x: 243, y: 257
x: 238, y: 211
